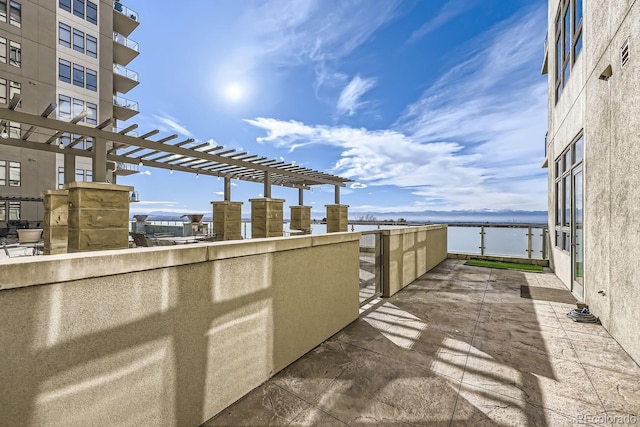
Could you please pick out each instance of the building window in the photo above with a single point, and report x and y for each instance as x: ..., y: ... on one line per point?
x: 89, y: 143
x: 3, y: 172
x: 79, y: 175
x: 568, y: 40
x: 64, y: 71
x: 3, y: 211
x: 78, y: 8
x: 78, y: 75
x: 64, y: 34
x: 3, y: 91
x: 92, y: 113
x: 3, y: 50
x: 92, y: 46
x: 565, y: 166
x: 92, y: 80
x: 64, y: 107
x: 14, y: 89
x: 78, y: 107
x: 65, y: 5
x: 15, y: 14
x: 15, y: 54
x: 3, y: 10
x: 92, y: 12
x: 14, y: 174
x: 14, y: 130
x: 60, y: 177
x: 14, y: 211
x: 78, y: 40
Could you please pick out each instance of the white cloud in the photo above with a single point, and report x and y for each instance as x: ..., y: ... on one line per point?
x: 448, y: 12
x: 358, y: 185
x: 473, y: 140
x: 172, y: 124
x: 146, y: 172
x: 349, y: 101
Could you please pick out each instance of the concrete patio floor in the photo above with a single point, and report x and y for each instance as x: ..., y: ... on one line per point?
x: 459, y: 346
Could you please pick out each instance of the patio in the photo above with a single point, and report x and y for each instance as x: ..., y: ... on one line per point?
x: 459, y: 346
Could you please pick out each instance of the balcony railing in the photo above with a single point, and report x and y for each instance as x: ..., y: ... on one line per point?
x: 119, y: 7
x: 128, y: 167
x: 120, y: 101
x: 130, y: 74
x: 504, y: 240
x: 120, y: 39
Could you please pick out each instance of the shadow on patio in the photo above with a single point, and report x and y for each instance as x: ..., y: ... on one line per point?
x: 459, y: 346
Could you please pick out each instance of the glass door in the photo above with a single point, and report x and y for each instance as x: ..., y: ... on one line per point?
x: 577, y: 246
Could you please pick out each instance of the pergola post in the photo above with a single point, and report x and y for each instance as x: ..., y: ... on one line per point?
x: 337, y: 215
x: 227, y: 216
x: 56, y: 227
x: 99, y: 160
x: 69, y: 168
x: 266, y: 217
x: 301, y: 215
x: 98, y: 216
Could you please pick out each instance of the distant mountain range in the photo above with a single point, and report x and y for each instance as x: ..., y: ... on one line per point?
x: 474, y: 216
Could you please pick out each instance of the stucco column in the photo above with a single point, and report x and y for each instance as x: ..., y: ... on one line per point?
x: 301, y: 218
x: 337, y: 218
x: 56, y: 215
x: 266, y: 217
x: 98, y: 216
x: 227, y: 220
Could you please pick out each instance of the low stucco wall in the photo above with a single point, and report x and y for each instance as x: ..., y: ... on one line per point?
x: 410, y: 252
x: 165, y: 335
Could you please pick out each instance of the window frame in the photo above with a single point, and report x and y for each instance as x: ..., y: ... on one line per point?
x: 65, y: 5
x: 78, y: 40
x: 92, y: 17
x: 92, y: 76
x: 78, y: 75
x: 3, y: 50
x: 92, y: 41
x: 3, y: 173
x: 565, y: 165
x: 64, y: 106
x: 15, y: 166
x: 65, y: 65
x: 13, y: 20
x: 92, y: 113
x: 78, y: 8
x: 15, y: 54
x: 64, y: 41
x: 3, y: 10
x: 3, y: 90
x: 568, y: 42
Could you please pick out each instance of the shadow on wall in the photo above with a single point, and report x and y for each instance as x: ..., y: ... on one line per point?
x: 169, y: 346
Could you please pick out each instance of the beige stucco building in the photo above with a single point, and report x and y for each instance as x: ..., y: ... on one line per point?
x: 70, y: 53
x: 593, y: 146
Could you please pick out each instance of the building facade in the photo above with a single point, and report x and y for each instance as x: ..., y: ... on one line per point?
x: 593, y: 146
x: 73, y: 54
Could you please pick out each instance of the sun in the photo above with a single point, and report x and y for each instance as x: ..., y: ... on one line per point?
x: 234, y: 92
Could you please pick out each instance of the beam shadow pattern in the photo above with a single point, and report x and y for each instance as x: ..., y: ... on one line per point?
x: 459, y: 346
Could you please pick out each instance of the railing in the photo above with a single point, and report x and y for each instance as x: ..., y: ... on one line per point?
x: 370, y: 266
x: 119, y: 7
x: 125, y: 103
x: 128, y: 167
x: 119, y: 69
x: 527, y: 241
x: 119, y: 38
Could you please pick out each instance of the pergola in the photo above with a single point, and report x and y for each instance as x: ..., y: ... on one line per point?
x: 109, y: 149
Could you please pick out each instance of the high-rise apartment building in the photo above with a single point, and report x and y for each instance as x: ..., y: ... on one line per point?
x: 592, y: 152
x: 71, y: 53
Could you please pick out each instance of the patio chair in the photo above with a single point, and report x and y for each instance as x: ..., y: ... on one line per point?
x: 141, y: 240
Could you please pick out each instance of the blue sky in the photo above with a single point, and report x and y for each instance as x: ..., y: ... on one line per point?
x: 425, y: 105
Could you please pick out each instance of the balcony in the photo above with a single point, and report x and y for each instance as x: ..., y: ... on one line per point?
x: 125, y: 20
x: 124, y: 50
x: 123, y: 108
x: 124, y: 79
x: 125, y: 169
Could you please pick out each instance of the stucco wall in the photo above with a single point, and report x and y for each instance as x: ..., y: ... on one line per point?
x: 410, y: 252
x: 607, y: 111
x: 167, y: 335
